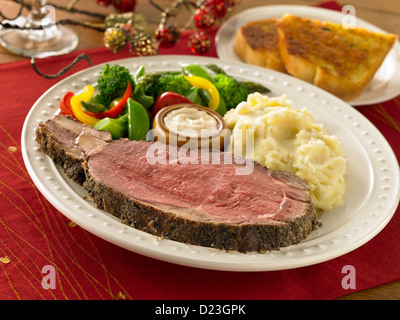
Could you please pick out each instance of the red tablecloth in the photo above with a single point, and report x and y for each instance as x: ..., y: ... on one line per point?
x: 34, y: 234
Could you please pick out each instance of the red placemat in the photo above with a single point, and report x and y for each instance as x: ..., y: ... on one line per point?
x: 33, y: 234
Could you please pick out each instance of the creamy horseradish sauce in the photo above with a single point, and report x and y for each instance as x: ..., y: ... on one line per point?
x: 191, y: 122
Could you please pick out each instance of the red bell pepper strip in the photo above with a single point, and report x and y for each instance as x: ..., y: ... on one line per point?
x: 116, y: 110
x: 65, y: 104
x: 168, y: 98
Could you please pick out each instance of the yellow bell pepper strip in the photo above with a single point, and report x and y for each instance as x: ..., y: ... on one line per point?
x: 76, y: 106
x: 209, y: 87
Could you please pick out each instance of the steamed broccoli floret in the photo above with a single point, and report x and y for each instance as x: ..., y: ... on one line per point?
x: 144, y: 90
x: 215, y: 68
x: 251, y: 87
x: 150, y: 85
x: 171, y: 82
x: 255, y: 87
x: 113, y: 81
x: 231, y: 90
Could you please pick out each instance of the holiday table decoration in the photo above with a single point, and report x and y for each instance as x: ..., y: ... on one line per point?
x: 127, y: 29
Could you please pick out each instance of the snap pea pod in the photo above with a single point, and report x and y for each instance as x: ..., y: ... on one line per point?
x: 197, y: 96
x: 196, y: 70
x: 117, y: 127
x: 139, y: 72
x: 221, y: 110
x: 138, y: 121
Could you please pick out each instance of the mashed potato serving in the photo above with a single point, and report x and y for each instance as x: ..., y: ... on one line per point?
x: 280, y: 137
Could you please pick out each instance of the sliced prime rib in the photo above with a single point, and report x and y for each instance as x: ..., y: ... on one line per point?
x: 197, y: 199
x: 67, y: 141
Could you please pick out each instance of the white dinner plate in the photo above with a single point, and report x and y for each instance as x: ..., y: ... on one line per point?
x: 384, y: 86
x: 372, y: 176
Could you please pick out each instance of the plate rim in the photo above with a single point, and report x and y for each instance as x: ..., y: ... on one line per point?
x: 330, y: 12
x: 188, y: 259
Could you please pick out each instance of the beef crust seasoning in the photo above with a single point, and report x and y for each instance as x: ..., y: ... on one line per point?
x: 186, y: 200
x: 200, y: 204
x: 66, y: 141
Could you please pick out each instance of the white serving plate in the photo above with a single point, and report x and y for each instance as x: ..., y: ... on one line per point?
x: 384, y: 86
x: 372, y: 178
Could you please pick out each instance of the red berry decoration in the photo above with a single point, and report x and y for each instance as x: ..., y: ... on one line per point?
x: 199, y: 42
x: 217, y: 6
x: 204, y: 17
x: 121, y: 5
x: 124, y: 5
x: 167, y: 35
